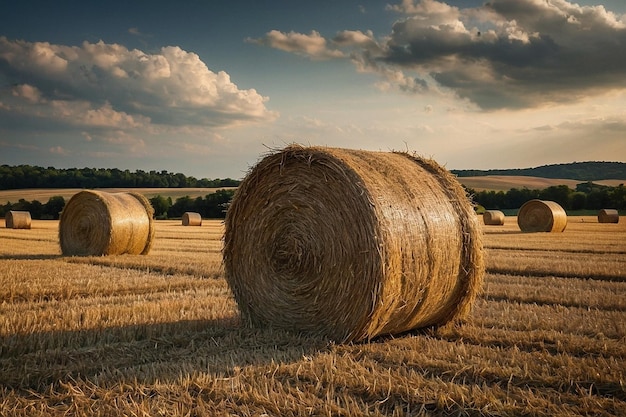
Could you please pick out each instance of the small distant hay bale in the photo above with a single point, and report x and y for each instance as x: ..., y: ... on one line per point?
x: 608, y: 216
x: 17, y: 220
x: 350, y: 244
x: 541, y: 216
x: 97, y: 223
x: 493, y: 218
x: 192, y: 219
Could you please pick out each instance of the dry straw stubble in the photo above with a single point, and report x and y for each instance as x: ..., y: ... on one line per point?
x: 99, y: 223
x: 608, y: 216
x: 17, y: 219
x: 351, y: 244
x: 541, y: 216
x: 192, y: 219
x: 493, y: 218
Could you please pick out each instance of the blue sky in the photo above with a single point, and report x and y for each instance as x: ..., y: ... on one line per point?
x: 206, y: 88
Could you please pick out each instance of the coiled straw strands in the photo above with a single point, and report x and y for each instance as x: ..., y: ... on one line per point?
x: 541, y: 216
x: 17, y: 220
x: 100, y: 223
x: 493, y: 217
x: 608, y: 216
x: 351, y: 244
x: 192, y: 219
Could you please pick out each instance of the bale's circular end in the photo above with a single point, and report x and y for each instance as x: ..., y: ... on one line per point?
x: 541, y: 216
x: 15, y: 219
x: 192, y: 219
x: 99, y: 223
x: 608, y: 216
x: 493, y: 218
x: 351, y: 244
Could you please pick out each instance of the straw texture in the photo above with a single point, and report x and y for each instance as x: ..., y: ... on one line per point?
x: 192, y: 219
x: 17, y: 220
x: 541, y: 216
x: 493, y: 218
x: 351, y: 244
x: 100, y: 223
x: 608, y: 216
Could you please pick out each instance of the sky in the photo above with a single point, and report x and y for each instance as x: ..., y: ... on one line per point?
x: 207, y: 88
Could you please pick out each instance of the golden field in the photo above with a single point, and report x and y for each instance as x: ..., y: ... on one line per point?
x: 160, y: 335
x: 506, y: 182
x: 44, y: 194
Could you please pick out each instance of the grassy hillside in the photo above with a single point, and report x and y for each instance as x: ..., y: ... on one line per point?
x: 581, y: 171
x: 506, y: 182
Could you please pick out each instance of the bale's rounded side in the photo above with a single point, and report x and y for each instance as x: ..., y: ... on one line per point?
x: 99, y: 223
x: 493, y: 218
x: 351, y: 244
x: 608, y: 216
x: 192, y: 219
x: 541, y: 216
x: 17, y: 219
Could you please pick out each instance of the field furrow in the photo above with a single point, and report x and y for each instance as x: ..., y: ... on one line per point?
x: 160, y: 334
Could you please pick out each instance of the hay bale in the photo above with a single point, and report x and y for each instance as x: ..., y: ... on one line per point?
x: 100, y: 223
x: 192, y: 219
x: 351, y: 244
x: 17, y: 219
x: 608, y: 216
x: 541, y: 216
x: 493, y: 217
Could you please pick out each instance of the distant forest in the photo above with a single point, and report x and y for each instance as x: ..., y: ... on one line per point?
x: 586, y: 195
x: 27, y: 176
x: 583, y: 171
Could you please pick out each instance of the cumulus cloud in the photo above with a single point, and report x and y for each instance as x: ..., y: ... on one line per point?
x: 504, y: 54
x: 110, y: 86
x: 313, y: 45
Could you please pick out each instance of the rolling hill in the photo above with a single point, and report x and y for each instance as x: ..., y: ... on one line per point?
x: 580, y: 171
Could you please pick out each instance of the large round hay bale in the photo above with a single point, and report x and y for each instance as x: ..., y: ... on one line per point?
x: 608, y: 216
x: 192, y: 219
x: 17, y: 220
x: 351, y: 244
x: 493, y: 218
x: 100, y: 223
x: 541, y: 216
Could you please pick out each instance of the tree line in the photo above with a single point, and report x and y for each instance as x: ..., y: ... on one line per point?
x: 212, y: 206
x: 586, y: 196
x: 27, y: 176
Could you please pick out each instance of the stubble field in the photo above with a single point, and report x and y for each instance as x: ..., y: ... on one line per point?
x: 160, y: 335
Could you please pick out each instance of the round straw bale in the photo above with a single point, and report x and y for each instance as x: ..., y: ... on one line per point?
x: 541, y: 216
x: 608, y: 216
x: 351, y: 244
x: 493, y: 217
x: 17, y: 220
x: 100, y: 223
x: 192, y: 219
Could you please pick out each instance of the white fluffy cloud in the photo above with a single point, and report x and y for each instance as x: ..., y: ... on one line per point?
x: 505, y: 54
x: 108, y: 85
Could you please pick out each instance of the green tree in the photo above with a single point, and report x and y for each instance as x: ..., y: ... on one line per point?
x: 578, y: 200
x: 52, y: 209
x: 557, y: 193
x: 160, y: 205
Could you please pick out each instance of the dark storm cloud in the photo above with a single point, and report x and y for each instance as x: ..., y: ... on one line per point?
x: 504, y: 54
x: 522, y: 52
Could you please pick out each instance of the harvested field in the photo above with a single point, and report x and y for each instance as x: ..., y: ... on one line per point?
x: 159, y: 334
